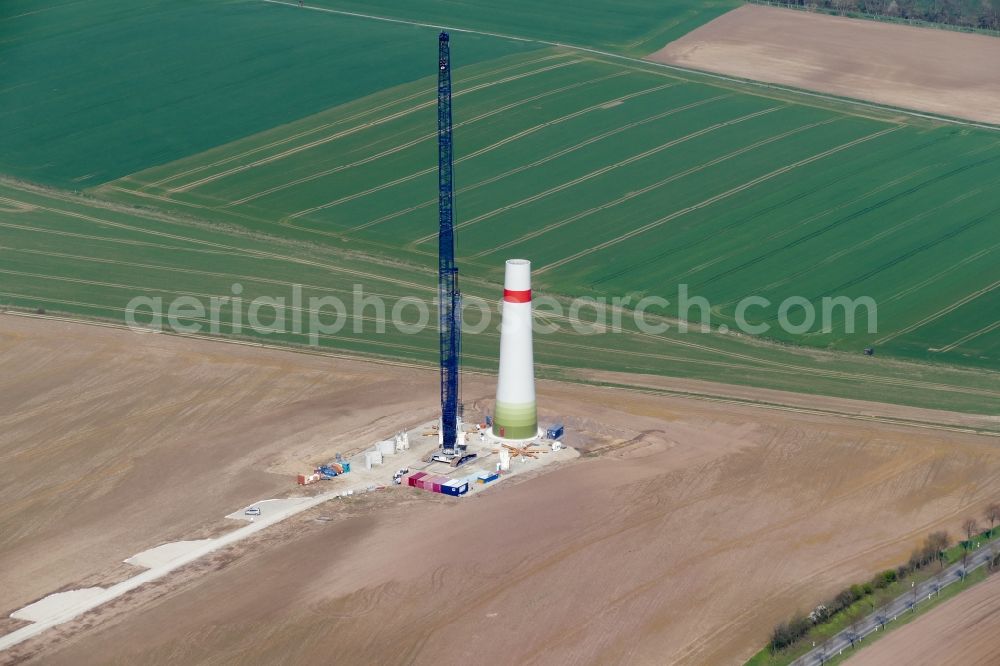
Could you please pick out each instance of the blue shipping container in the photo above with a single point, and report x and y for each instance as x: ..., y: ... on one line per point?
x: 487, y: 477
x: 455, y: 488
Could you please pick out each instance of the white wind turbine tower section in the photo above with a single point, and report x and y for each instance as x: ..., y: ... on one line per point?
x: 516, y: 416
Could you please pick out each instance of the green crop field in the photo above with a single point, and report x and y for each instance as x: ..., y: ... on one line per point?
x: 90, y: 91
x: 72, y: 255
x: 624, y: 181
x: 617, y: 178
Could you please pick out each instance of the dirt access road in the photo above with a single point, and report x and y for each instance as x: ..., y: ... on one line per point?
x: 924, y: 69
x: 685, y: 534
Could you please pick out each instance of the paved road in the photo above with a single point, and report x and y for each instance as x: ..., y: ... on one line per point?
x: 899, y: 606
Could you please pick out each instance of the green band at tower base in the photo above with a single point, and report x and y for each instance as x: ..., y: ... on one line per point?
x: 515, y: 421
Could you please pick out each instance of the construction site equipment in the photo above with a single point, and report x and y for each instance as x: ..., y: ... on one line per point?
x: 462, y: 459
x: 504, y: 464
x: 449, y: 299
x: 438, y: 484
x: 327, y: 472
x: 524, y: 451
x: 372, y: 458
x: 306, y: 479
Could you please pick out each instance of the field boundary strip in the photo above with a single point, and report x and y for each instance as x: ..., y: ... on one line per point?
x: 649, y: 63
x: 719, y: 398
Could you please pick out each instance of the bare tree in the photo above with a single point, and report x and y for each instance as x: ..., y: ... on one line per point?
x: 936, y: 545
x: 971, y: 528
x: 992, y: 514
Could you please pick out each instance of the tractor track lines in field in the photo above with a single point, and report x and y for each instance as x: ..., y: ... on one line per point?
x: 358, y: 128
x: 940, y: 313
x: 711, y: 200
x: 749, y: 363
x: 899, y: 196
x: 989, y: 328
x: 603, y: 170
x: 937, y: 276
x: 473, y: 155
x: 767, y: 210
x: 409, y: 144
x: 341, y: 121
x: 156, y: 197
x: 718, y: 258
x: 245, y: 251
x: 192, y: 271
x: 631, y: 195
x: 813, y: 371
x: 556, y: 155
x: 867, y: 242
x: 543, y: 342
x: 367, y: 339
x: 915, y: 251
x: 122, y: 241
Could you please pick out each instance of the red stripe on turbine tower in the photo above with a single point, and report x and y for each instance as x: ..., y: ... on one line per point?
x: 515, y: 296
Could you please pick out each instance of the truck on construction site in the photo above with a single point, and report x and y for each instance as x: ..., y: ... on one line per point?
x: 325, y: 472
x: 333, y: 469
